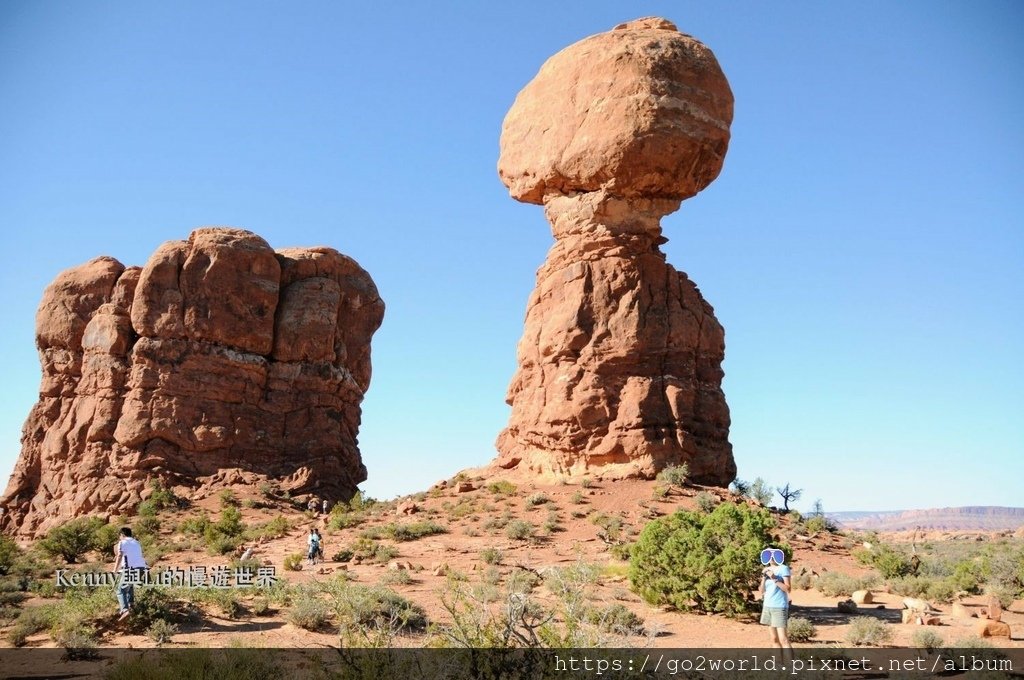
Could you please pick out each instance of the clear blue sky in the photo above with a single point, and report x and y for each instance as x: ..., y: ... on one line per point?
x: 863, y: 245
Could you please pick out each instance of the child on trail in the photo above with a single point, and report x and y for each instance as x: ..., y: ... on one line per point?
x: 776, y: 586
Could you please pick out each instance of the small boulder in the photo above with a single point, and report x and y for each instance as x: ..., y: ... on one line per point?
x: 465, y: 487
x: 862, y: 597
x: 912, y: 616
x: 994, y: 609
x: 990, y: 628
x: 962, y: 612
x: 932, y: 621
x: 396, y: 566
x: 847, y: 607
x: 408, y: 507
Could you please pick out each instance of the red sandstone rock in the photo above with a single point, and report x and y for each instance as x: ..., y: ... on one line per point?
x: 219, y: 356
x: 620, y: 360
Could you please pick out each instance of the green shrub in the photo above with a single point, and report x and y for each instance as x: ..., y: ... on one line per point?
x: 706, y: 502
x: 675, y: 475
x: 926, y: 639
x: 367, y: 549
x: 146, y: 509
x: 818, y: 523
x: 413, y: 531
x: 293, y: 562
x: 29, y: 622
x: 502, y: 488
x: 835, y: 583
x: 491, y: 555
x: 343, y: 555
x: 275, y: 528
x: 611, y: 525
x: 867, y: 630
x: 889, y: 562
x: 72, y: 539
x: 536, y: 499
x: 704, y: 562
x: 105, y: 538
x: 309, y: 612
x: 9, y: 553
x: 79, y: 642
x: 163, y: 498
x: 161, y: 632
x: 195, y: 525
x: 227, y: 498
x: 518, y: 530
x: 760, y: 491
x: 799, y: 629
x: 621, y: 551
x: 266, y: 490
x: 586, y: 482
x: 577, y: 498
x: 615, y: 618
x: 377, y: 607
x: 225, y: 535
x: 396, y: 577
x: 260, y: 606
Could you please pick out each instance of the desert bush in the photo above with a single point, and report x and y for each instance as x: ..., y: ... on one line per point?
x: 760, y: 491
x: 193, y: 664
x: 195, y: 525
x: 577, y: 498
x: 818, y: 523
x: 146, y: 509
x: 799, y: 629
x: 612, y: 526
x: 369, y: 550
x: 309, y: 612
x: 29, y: 622
x: 275, y: 528
x: 500, y: 522
x: 518, y: 530
x: 704, y: 562
x: 972, y: 642
x: 622, y: 551
x: 293, y: 562
x: 260, y: 606
x: 1004, y: 594
x: 586, y: 482
x: 833, y: 583
x: 926, y: 639
x: 706, y: 502
x: 616, y: 618
x: 79, y: 642
x: 502, y: 488
x: 939, y: 590
x: 161, y: 632
x: 396, y: 577
x: 151, y: 605
x: 343, y: 555
x: 491, y: 555
x: 227, y: 498
x: 675, y: 475
x: 341, y: 517
x: 462, y: 509
x: 9, y: 552
x: 659, y: 492
x: 377, y: 607
x: 72, y: 539
x: 266, y: 490
x: 536, y: 499
x: 867, y: 630
x: 225, y: 534
x: 552, y: 523
x: 414, y: 530
x: 889, y: 562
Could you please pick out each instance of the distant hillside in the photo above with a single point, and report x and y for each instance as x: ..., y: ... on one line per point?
x: 969, y: 518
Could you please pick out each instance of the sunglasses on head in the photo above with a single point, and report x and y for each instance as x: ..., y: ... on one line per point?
x: 769, y: 554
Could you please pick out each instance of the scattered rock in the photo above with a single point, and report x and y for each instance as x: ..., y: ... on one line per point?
x: 990, y: 628
x: 932, y: 621
x: 862, y: 597
x: 440, y: 569
x: 620, y: 363
x: 994, y: 609
x: 408, y: 507
x: 465, y: 487
x: 912, y: 616
x: 396, y: 566
x: 959, y: 611
x: 219, y: 351
x: 917, y: 605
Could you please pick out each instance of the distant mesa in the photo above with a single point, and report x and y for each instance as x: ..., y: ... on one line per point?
x: 219, y: 354
x: 966, y: 518
x: 620, y: 363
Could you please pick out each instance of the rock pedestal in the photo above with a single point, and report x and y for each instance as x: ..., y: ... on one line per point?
x: 620, y: 361
x: 219, y: 353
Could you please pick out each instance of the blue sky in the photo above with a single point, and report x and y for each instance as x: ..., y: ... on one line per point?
x: 862, y: 246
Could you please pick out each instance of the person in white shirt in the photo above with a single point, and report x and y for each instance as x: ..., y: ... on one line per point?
x: 127, y: 559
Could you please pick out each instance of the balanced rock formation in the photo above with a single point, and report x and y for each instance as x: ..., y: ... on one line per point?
x: 219, y: 353
x: 620, y: 364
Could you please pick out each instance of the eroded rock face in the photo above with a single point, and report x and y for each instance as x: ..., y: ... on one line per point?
x: 219, y: 353
x: 620, y: 361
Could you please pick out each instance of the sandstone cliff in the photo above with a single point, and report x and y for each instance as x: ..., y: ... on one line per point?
x: 219, y: 353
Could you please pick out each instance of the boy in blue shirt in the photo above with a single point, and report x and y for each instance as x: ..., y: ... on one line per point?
x: 775, y: 587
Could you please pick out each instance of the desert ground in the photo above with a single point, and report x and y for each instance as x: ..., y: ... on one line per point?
x: 481, y: 536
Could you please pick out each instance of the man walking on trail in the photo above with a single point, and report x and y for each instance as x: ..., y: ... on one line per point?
x: 129, y: 561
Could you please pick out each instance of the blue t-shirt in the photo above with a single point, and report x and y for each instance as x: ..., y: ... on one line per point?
x: 775, y: 597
